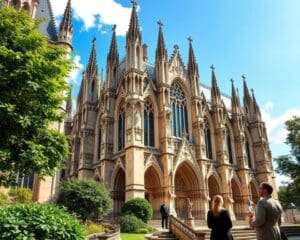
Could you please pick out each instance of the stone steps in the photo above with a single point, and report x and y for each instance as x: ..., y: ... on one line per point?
x: 164, y: 235
x: 291, y: 231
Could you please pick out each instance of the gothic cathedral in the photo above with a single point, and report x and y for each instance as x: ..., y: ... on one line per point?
x: 154, y: 131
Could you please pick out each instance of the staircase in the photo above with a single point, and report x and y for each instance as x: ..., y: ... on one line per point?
x: 238, y: 234
x: 292, y: 232
x: 164, y: 235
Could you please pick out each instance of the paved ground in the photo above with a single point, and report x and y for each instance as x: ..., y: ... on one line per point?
x: 294, y: 238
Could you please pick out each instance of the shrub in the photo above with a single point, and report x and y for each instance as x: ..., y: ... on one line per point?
x: 20, y: 195
x: 143, y: 230
x: 131, y: 224
x: 88, y: 199
x: 139, y: 207
x: 3, y: 199
x: 93, y: 228
x: 38, y: 221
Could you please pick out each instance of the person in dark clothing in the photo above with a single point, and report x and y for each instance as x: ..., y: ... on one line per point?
x: 164, y: 210
x: 218, y: 219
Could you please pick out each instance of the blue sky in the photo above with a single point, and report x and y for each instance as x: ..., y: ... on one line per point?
x: 257, y: 38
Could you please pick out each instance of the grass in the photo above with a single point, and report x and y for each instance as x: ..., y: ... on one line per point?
x: 132, y: 236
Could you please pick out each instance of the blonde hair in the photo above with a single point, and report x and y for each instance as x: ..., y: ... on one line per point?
x: 217, y: 204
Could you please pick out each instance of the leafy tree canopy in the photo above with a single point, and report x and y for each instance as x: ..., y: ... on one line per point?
x: 87, y: 198
x: 289, y: 165
x: 32, y: 80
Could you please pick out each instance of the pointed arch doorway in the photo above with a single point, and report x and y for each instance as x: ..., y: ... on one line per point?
x: 153, y: 190
x: 118, y: 193
x: 187, y: 186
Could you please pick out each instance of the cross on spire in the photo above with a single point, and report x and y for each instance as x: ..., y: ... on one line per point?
x: 231, y: 80
x: 94, y: 40
x: 134, y: 4
x: 176, y: 47
x: 212, y: 67
x: 160, y: 23
x: 243, y: 77
x: 114, y: 27
x: 190, y: 39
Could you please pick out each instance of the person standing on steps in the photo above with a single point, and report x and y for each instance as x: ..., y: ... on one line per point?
x: 164, y: 211
x: 218, y: 219
x: 267, y: 217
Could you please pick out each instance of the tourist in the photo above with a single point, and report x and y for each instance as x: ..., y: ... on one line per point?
x: 268, y: 215
x: 164, y: 210
x: 218, y: 219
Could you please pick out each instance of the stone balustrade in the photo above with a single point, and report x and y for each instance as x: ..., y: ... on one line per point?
x: 183, y: 231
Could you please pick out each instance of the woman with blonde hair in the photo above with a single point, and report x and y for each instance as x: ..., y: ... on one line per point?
x: 218, y: 219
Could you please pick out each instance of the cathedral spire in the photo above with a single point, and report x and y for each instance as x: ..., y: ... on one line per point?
x: 235, y: 104
x: 161, y: 52
x: 255, y: 106
x: 113, y: 55
x: 92, y: 69
x: 215, y: 91
x: 66, y: 27
x: 133, y: 32
x: 247, y: 97
x: 192, y: 65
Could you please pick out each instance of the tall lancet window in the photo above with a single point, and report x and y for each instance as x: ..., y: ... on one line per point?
x: 208, y: 146
x: 179, y: 111
x: 229, y: 147
x: 148, y: 125
x: 121, y: 129
x: 99, y: 144
x: 247, y: 147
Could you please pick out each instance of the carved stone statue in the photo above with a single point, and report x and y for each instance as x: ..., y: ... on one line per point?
x: 189, y: 208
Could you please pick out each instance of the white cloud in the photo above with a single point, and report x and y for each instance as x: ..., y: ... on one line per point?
x: 276, y: 125
x: 75, y: 74
x: 108, y: 11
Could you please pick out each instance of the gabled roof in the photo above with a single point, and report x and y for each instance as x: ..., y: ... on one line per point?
x: 47, y: 26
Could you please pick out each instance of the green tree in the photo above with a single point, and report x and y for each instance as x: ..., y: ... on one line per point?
x: 289, y: 165
x: 32, y: 80
x: 88, y: 199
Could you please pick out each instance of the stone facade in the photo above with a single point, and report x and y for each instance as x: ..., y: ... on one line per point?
x: 153, y: 131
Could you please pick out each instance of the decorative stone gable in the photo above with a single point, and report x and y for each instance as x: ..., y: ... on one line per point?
x: 176, y: 66
x: 152, y: 160
x: 185, y: 153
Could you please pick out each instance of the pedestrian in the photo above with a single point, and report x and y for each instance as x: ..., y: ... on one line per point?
x: 164, y: 210
x: 250, y: 211
x: 267, y: 217
x: 218, y: 219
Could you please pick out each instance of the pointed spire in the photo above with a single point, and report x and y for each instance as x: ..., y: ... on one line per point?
x: 161, y: 52
x: 69, y: 105
x: 92, y: 69
x: 66, y: 27
x: 133, y: 31
x: 247, y: 97
x: 192, y: 65
x: 215, y: 91
x: 235, y: 104
x: 255, y: 105
x: 113, y: 55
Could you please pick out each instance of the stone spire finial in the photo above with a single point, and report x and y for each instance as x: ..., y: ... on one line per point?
x: 161, y: 52
x: 66, y: 27
x: 92, y: 68
x: 133, y: 31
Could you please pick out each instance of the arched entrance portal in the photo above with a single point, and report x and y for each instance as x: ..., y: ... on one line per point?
x: 153, y: 191
x: 238, y: 201
x: 254, y: 195
x: 186, y: 186
x: 213, y: 188
x: 118, y: 193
